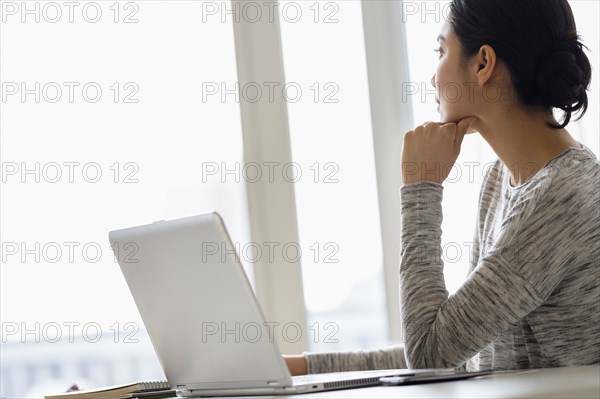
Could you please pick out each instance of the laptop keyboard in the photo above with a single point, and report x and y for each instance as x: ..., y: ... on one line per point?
x: 344, y: 376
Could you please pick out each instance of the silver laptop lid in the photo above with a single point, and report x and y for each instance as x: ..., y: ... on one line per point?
x: 197, y: 305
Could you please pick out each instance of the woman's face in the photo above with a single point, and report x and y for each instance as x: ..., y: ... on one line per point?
x: 455, y: 94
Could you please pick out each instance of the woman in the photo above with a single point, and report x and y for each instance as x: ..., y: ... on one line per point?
x: 531, y: 299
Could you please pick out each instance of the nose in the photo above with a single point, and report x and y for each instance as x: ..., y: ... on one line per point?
x: 433, y: 81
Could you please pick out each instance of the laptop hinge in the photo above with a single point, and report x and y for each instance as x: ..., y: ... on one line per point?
x: 183, y: 390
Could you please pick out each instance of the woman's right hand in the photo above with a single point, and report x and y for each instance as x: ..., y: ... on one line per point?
x: 296, y: 364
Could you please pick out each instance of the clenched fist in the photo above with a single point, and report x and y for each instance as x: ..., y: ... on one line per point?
x: 430, y: 150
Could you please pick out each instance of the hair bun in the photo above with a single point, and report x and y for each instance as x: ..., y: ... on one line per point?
x: 563, y: 75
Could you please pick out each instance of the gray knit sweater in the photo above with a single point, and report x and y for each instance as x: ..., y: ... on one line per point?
x: 532, y: 297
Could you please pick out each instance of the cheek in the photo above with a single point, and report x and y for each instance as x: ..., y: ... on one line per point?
x: 444, y: 70
x: 453, y: 95
x: 447, y: 87
x: 452, y: 111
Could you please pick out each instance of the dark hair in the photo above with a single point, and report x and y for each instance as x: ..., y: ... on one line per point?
x: 538, y: 42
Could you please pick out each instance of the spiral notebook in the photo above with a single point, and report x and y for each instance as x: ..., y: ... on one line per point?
x: 151, y: 389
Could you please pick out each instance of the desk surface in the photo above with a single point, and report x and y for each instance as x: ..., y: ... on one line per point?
x: 562, y: 382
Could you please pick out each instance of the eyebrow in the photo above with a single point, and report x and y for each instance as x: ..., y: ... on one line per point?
x: 440, y: 37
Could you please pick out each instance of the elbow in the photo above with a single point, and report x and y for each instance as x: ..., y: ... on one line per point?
x: 425, y: 355
x: 416, y: 358
x: 413, y: 362
x: 422, y: 362
x: 415, y: 352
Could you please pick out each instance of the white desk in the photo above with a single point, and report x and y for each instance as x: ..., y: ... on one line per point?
x: 564, y: 382
x: 561, y: 382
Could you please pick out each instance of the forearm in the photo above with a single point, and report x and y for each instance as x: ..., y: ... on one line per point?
x: 389, y: 358
x: 422, y: 286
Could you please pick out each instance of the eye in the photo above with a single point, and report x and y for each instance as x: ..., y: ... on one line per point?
x: 439, y: 51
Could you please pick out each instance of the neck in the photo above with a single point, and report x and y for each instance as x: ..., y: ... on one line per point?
x: 523, y: 141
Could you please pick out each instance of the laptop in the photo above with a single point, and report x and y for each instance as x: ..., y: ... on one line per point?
x: 202, y: 317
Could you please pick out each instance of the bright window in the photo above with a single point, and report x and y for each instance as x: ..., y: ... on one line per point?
x: 104, y: 126
x: 337, y: 206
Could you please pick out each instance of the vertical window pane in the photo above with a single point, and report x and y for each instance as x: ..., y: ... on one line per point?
x: 336, y: 196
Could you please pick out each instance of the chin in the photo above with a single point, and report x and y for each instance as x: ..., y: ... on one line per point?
x: 446, y: 117
x: 443, y: 115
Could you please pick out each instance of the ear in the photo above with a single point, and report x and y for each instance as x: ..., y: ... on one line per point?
x: 485, y: 64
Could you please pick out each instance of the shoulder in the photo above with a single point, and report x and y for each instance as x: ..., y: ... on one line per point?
x: 575, y: 169
x: 569, y: 179
x: 577, y: 166
x: 562, y: 193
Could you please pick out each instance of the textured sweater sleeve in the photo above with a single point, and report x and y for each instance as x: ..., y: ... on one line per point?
x: 383, y: 359
x: 507, y: 284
